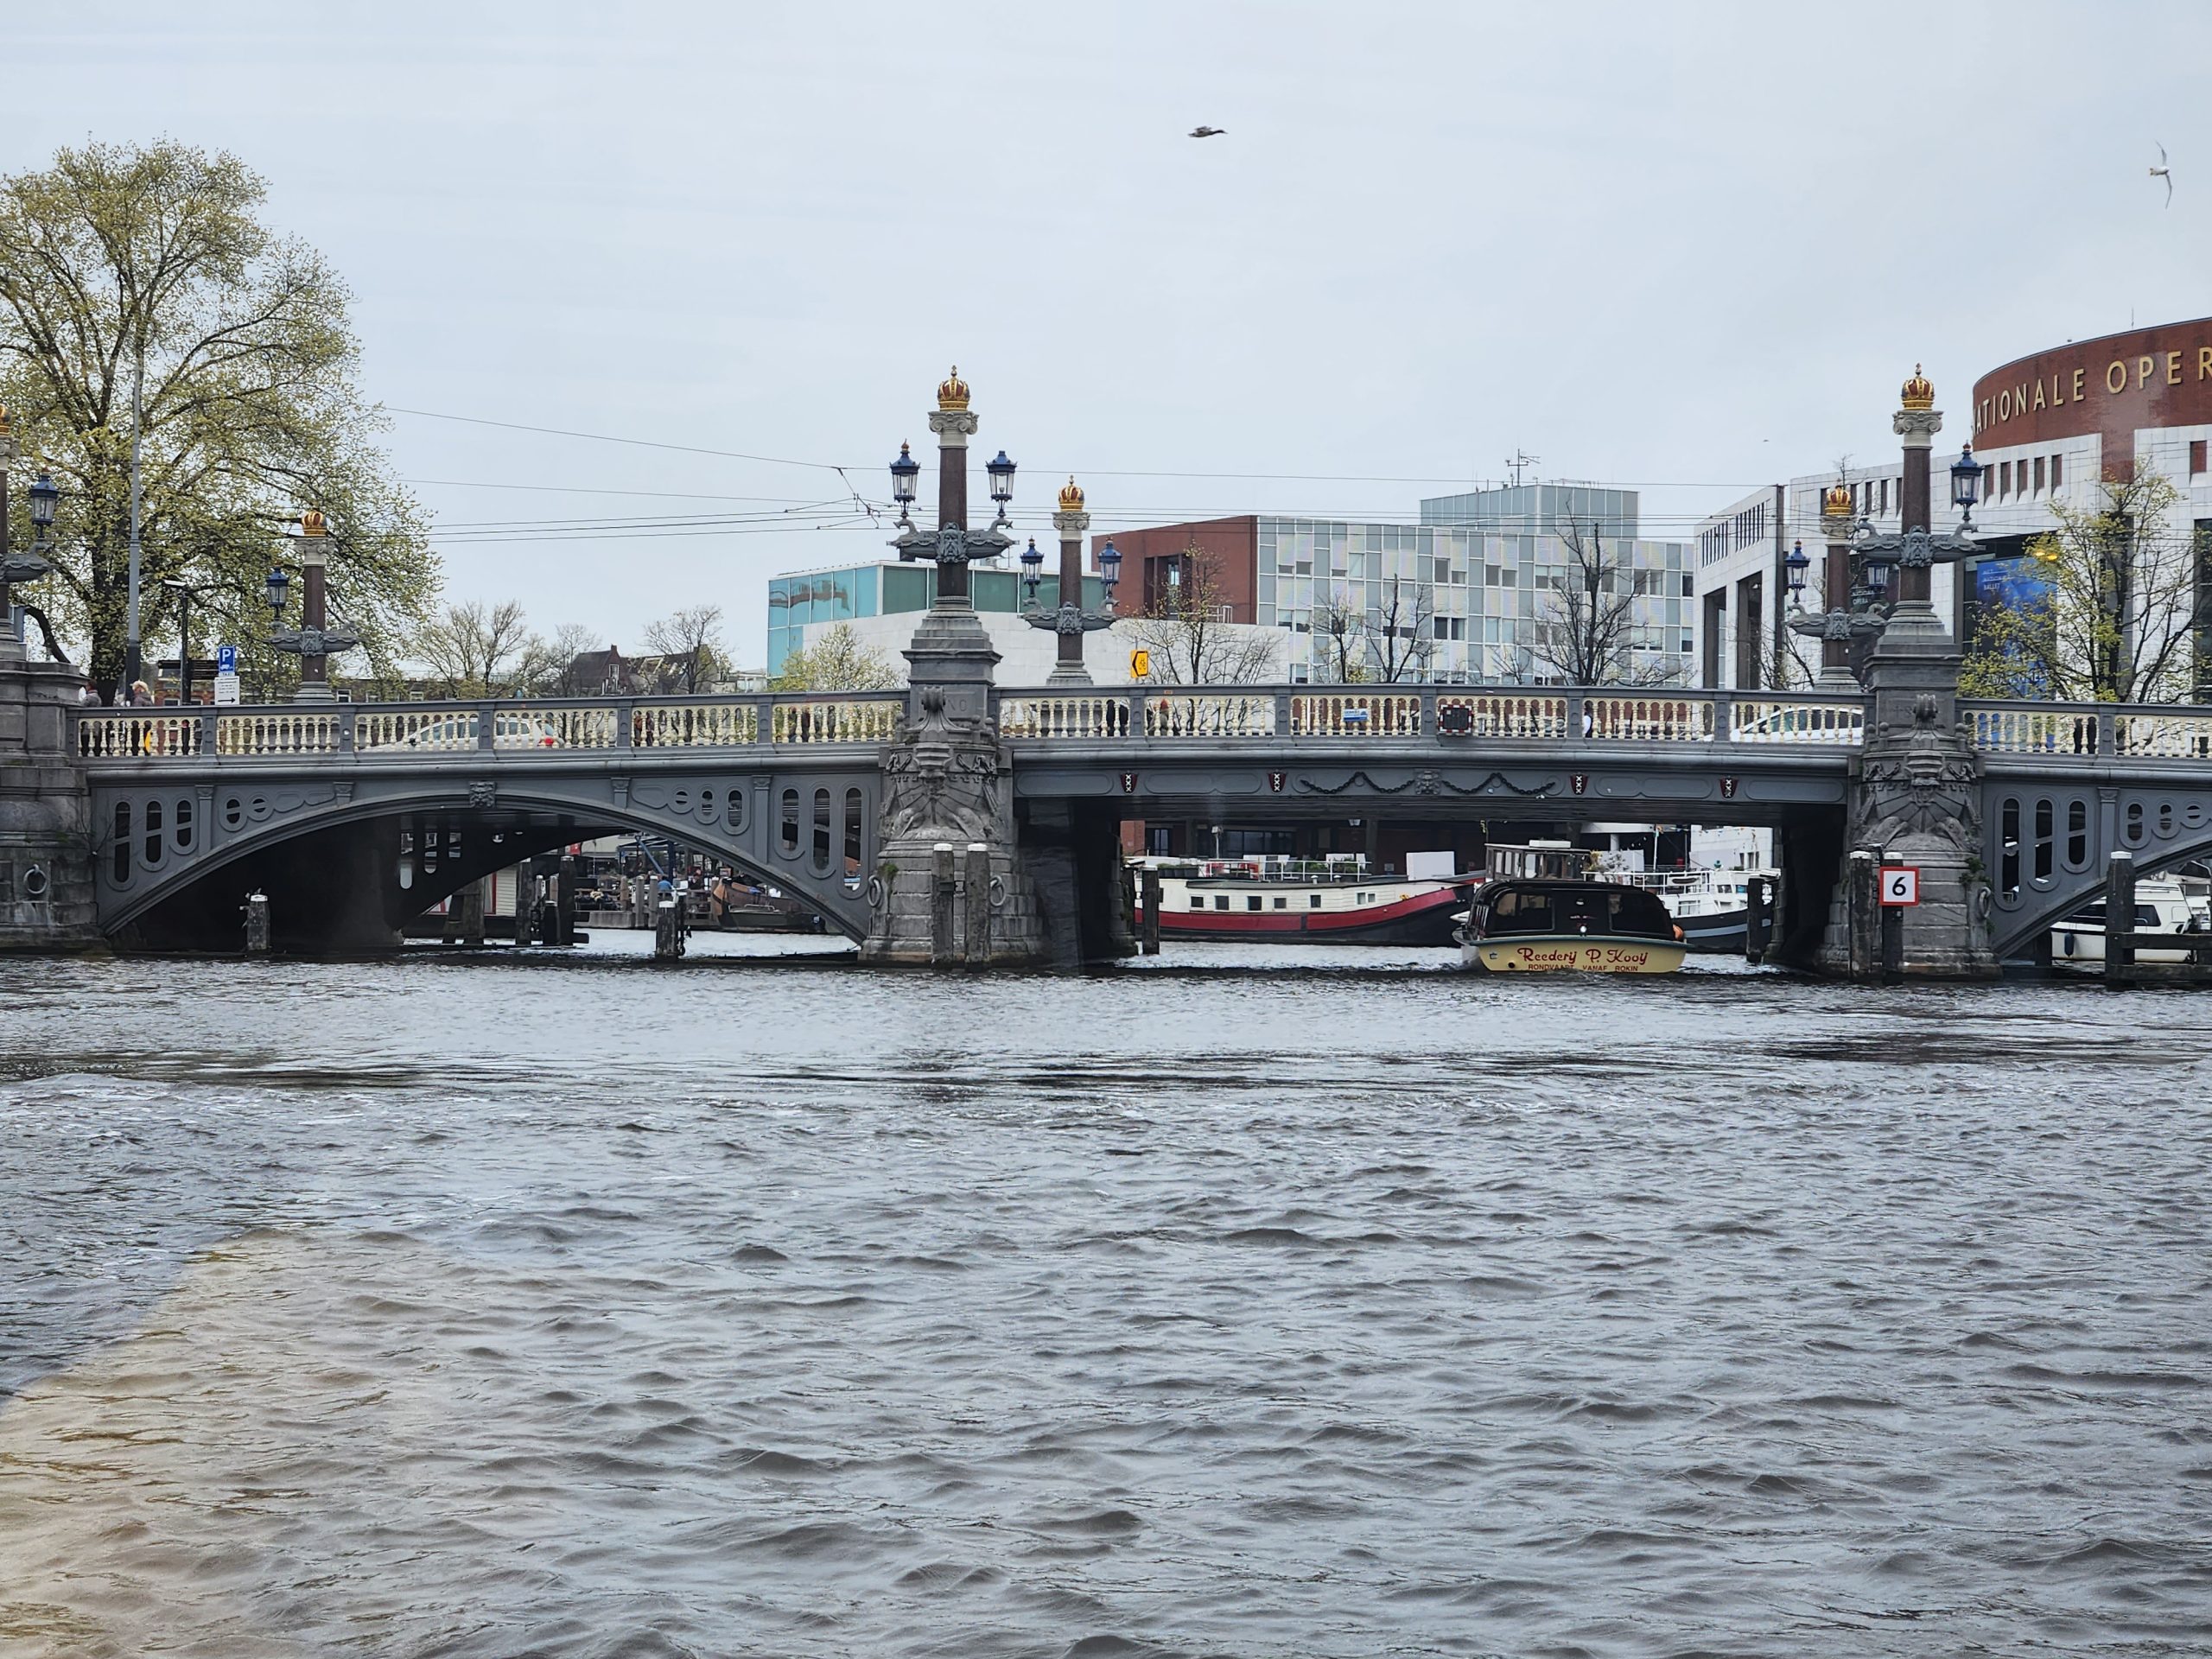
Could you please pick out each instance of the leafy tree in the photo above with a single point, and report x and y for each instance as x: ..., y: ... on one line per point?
x: 2119, y: 617
x: 837, y: 661
x: 548, y: 666
x: 143, y: 276
x: 1187, y: 628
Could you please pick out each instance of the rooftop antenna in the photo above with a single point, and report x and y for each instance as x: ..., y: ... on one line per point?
x: 1518, y: 460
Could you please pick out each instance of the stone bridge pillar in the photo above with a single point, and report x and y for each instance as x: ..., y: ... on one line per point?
x: 947, y: 779
x: 1915, y: 785
x: 45, y: 829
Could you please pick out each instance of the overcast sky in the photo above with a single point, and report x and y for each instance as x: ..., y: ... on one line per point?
x: 1689, y: 246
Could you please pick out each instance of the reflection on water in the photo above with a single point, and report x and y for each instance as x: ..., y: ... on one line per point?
x: 580, y: 1305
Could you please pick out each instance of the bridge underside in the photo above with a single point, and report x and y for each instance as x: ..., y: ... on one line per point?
x: 349, y: 886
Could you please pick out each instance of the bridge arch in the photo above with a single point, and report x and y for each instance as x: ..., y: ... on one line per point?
x: 810, y: 833
x: 2049, y: 839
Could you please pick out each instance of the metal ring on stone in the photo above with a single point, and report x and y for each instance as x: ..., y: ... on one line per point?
x: 997, y: 894
x: 876, y: 892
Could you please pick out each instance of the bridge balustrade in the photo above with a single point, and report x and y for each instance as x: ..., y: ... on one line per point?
x: 824, y: 720
x: 432, y: 728
x: 1202, y: 714
x: 1502, y: 714
x: 2033, y: 728
x: 2162, y: 735
x: 132, y: 737
x: 1340, y: 713
x: 694, y: 726
x: 1064, y: 716
x: 1649, y: 719
x: 1795, y: 721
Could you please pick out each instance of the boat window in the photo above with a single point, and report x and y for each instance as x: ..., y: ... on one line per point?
x: 1281, y: 903
x: 1221, y: 901
x: 1199, y: 902
x: 2090, y: 913
x: 2147, y: 916
x: 1521, y: 912
x: 1313, y: 901
x: 1253, y: 902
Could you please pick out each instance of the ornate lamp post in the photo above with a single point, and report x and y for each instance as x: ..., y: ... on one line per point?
x: 186, y: 593
x: 19, y: 566
x: 313, y: 642
x: 1070, y: 622
x: 1849, y: 619
x: 951, y: 659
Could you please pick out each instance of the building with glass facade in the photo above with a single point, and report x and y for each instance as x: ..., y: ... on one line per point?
x: 888, y: 588
x: 1464, y: 591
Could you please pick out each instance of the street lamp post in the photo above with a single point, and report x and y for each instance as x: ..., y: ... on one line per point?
x: 950, y: 658
x: 1069, y: 621
x: 16, y: 569
x: 185, y: 593
x: 1849, y: 618
x: 315, y: 641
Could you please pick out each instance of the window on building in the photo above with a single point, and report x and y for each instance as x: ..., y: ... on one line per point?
x: 1885, y: 495
x: 2038, y: 474
x: 2195, y: 457
x: 2003, y: 478
x: 2057, y: 479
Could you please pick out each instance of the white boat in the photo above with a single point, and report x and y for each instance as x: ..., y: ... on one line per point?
x: 1711, y: 907
x: 2162, y: 905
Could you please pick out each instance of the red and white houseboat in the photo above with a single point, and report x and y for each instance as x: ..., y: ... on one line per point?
x: 1336, y: 901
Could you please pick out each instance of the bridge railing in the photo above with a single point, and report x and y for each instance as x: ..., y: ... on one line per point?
x: 1611, y: 715
x: 2111, y: 731
x: 574, y: 723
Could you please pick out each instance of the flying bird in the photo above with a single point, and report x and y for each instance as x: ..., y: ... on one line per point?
x: 2163, y: 171
x: 1207, y: 132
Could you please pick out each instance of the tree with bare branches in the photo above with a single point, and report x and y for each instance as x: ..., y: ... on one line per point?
x: 1586, y: 626
x: 691, y: 642
x: 1400, y: 634
x: 1187, y: 631
x: 475, y: 650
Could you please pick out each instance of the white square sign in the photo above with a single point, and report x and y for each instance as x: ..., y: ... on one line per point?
x: 1900, y: 884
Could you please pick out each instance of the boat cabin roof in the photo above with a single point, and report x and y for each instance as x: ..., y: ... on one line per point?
x: 1553, y: 907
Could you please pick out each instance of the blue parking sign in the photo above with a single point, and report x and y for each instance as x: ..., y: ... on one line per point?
x: 226, y: 659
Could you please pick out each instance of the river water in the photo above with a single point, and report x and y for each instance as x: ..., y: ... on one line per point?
x: 580, y: 1307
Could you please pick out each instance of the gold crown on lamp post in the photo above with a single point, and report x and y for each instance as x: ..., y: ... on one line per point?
x: 1071, y: 496
x: 1918, y: 392
x: 1836, y: 503
x: 952, y: 390
x: 313, y: 524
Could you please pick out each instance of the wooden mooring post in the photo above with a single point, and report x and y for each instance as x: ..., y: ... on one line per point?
x: 1862, y: 908
x: 2119, y: 919
x: 979, y: 905
x: 945, y: 894
x: 1150, y: 939
x: 256, y: 923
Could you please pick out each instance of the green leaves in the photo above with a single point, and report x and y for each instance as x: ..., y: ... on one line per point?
x: 149, y: 270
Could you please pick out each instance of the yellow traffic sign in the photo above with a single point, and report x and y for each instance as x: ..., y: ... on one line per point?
x: 1140, y: 664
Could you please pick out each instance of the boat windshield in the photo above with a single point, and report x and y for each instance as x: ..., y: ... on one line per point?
x: 1582, y: 907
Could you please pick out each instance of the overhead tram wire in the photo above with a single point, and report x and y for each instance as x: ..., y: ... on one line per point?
x: 843, y: 467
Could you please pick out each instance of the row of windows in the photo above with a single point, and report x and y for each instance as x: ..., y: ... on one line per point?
x: 1746, y: 529
x: 1256, y: 901
x: 2028, y: 477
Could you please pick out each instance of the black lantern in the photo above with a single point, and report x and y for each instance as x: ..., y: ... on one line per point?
x: 1109, y: 564
x: 1033, y: 564
x: 1002, y: 472
x: 43, y: 495
x: 1796, y: 564
x: 903, y: 470
x: 279, y: 585
x: 1966, y: 479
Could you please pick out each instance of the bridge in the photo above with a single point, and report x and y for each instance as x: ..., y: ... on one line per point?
x: 354, y: 818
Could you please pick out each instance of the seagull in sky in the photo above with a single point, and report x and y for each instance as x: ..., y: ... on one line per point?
x: 1216, y: 132
x: 2163, y: 171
